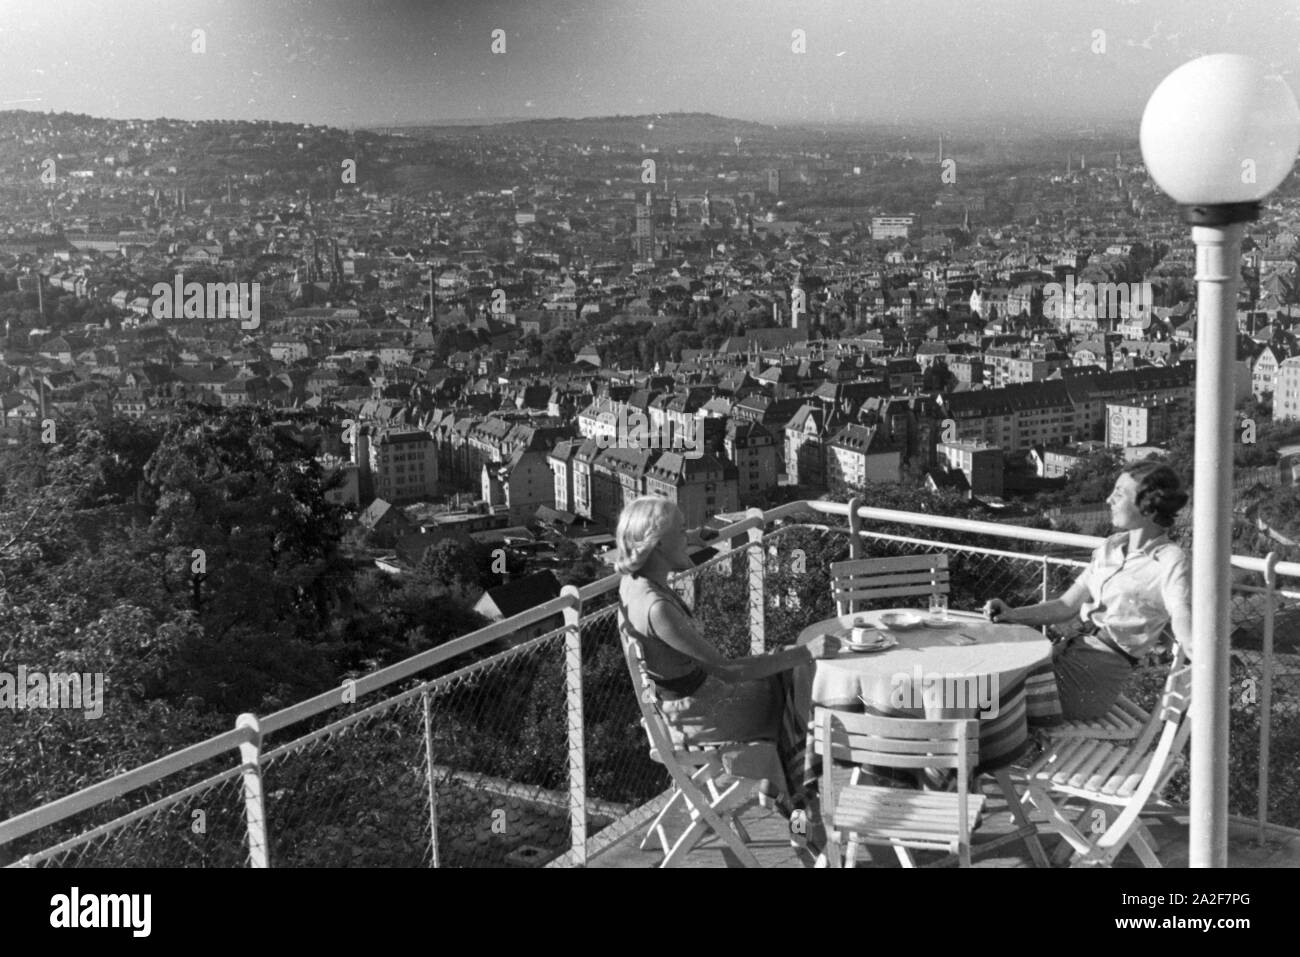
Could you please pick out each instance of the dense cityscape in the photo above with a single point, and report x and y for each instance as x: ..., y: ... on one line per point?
x: 831, y: 316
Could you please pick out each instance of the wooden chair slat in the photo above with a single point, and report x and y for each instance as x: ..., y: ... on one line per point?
x: 900, y: 590
x: 1088, y: 768
x: 1102, y: 773
x: 859, y: 748
x: 903, y: 807
x: 1131, y: 710
x: 1077, y: 758
x: 889, y: 728
x: 897, y: 563
x: 865, y: 795
x: 872, y: 821
x: 868, y: 582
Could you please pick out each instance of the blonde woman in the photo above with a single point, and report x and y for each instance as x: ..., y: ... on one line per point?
x: 706, y: 698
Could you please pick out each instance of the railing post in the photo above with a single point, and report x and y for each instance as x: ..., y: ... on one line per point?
x: 433, y: 785
x: 1266, y: 692
x: 1046, y: 586
x: 757, y: 594
x: 577, y: 732
x: 250, y: 754
x: 855, y: 528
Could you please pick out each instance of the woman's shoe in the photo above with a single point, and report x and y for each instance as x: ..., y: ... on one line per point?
x: 770, y: 796
x: 933, y: 779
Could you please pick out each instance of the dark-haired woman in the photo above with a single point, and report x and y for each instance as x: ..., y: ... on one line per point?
x: 1137, y: 583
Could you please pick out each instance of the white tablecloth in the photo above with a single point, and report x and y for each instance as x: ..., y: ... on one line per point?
x: 926, y: 676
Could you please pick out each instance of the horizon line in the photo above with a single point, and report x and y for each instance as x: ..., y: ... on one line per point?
x: 1020, y: 121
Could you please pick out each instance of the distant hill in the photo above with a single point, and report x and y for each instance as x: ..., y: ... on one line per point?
x: 661, y: 129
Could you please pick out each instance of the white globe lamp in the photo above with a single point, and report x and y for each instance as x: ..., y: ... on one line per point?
x: 1220, y: 131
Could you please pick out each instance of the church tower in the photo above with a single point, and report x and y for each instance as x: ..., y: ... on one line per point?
x: 645, y: 228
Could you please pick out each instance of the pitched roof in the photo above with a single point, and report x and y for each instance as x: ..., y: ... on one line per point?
x: 516, y: 596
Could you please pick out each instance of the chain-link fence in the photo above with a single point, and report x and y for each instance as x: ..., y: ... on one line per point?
x: 472, y: 768
x: 198, y: 826
x: 468, y: 770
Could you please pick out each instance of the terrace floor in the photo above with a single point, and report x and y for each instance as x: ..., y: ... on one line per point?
x: 771, y: 844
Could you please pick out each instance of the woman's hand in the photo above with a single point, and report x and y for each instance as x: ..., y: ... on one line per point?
x: 996, y: 609
x: 823, y: 646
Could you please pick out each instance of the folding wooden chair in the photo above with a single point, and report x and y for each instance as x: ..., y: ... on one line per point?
x: 859, y: 581
x: 694, y: 771
x: 903, y: 819
x: 1128, y: 777
x: 1123, y: 722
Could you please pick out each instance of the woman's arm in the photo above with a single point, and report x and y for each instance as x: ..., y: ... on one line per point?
x: 1044, y: 612
x: 672, y: 626
x: 1176, y: 593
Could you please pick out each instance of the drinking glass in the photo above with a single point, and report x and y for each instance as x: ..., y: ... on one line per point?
x: 939, y: 607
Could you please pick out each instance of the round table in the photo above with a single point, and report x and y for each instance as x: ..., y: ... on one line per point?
x: 926, y: 675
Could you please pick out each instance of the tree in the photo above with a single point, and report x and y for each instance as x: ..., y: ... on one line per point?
x: 243, y: 531
x: 1091, y: 481
x: 461, y: 565
x: 557, y: 347
x: 938, y: 377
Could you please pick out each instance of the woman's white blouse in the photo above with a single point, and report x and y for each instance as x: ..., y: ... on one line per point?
x: 1156, y: 579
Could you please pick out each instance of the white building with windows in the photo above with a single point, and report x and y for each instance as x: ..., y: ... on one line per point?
x: 1286, y: 397
x: 404, y: 465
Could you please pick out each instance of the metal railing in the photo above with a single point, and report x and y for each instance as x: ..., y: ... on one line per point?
x: 526, y: 750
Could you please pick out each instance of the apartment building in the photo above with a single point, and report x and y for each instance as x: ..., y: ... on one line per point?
x: 895, y: 226
x: 752, y: 448
x: 805, y: 460
x: 857, y: 454
x: 980, y: 462
x: 1144, y: 421
x: 700, y: 487
x: 1286, y: 397
x: 1263, y: 372
x: 523, y: 483
x: 617, y: 477
x: 560, y: 462
x: 404, y: 465
x: 1014, y: 417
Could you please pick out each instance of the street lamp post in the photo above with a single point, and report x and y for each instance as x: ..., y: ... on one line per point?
x: 1218, y: 135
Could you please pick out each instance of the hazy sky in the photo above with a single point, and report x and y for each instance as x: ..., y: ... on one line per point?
x: 376, y: 62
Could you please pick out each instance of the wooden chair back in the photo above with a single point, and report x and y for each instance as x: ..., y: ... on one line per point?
x: 859, y: 739
x: 864, y: 739
x: 652, y: 719
x: 859, y: 581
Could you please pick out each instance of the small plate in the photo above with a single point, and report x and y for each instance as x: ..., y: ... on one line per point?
x: 884, y: 643
x: 932, y: 622
x: 901, y: 620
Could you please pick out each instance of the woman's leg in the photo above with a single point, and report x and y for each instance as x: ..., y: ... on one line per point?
x: 763, y: 710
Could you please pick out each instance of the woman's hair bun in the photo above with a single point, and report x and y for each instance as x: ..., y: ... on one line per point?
x: 1160, y: 494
